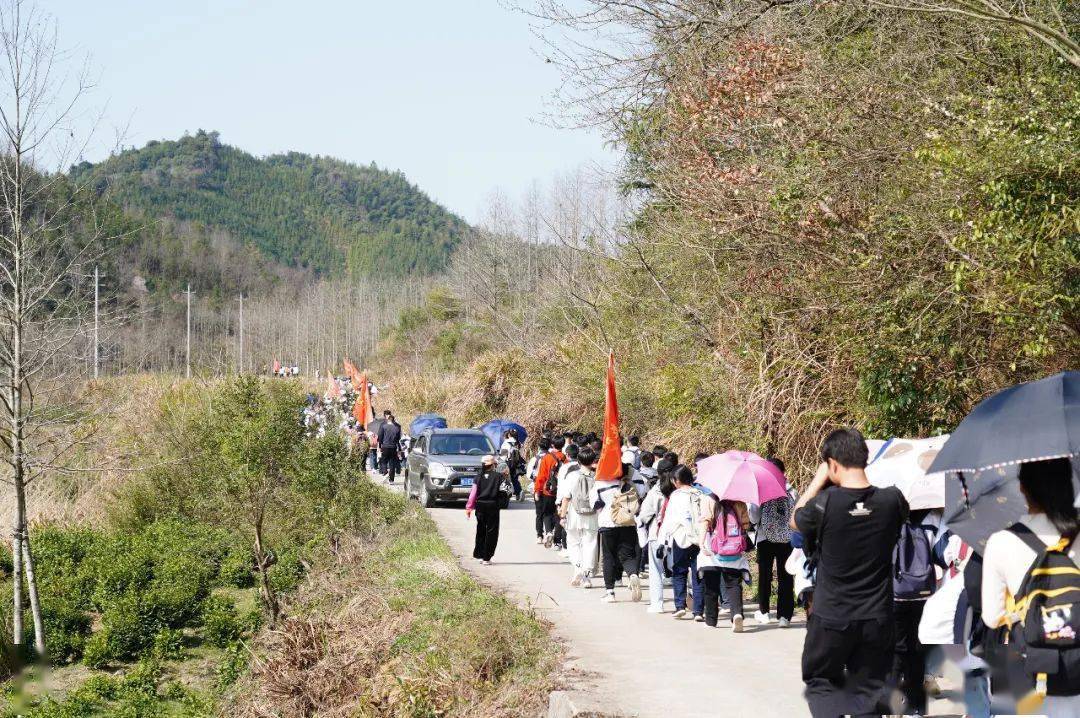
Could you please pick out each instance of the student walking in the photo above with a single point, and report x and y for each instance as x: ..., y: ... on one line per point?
x: 722, y: 561
x: 617, y: 503
x: 545, y: 488
x: 490, y: 493
x: 1008, y: 562
x: 774, y: 548
x: 650, y: 518
x: 852, y: 528
x: 680, y: 533
x: 579, y: 517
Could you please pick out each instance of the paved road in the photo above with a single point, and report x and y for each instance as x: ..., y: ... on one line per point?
x: 626, y: 662
x: 630, y: 662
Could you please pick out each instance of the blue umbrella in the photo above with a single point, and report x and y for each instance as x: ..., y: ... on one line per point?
x: 497, y: 428
x: 1028, y: 422
x: 423, y: 422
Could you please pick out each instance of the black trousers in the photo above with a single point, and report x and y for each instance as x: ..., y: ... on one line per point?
x: 388, y: 462
x: 545, y: 515
x: 769, y: 553
x: 718, y: 583
x: 845, y: 665
x: 618, y: 547
x: 487, y: 532
x: 909, y: 661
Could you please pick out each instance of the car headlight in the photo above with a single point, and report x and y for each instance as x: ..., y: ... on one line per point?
x: 438, y: 471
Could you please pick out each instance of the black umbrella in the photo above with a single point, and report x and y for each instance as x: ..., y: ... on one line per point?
x: 1027, y: 422
x: 980, y: 504
x: 374, y: 425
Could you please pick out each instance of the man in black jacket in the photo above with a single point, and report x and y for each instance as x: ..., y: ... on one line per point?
x: 389, y: 440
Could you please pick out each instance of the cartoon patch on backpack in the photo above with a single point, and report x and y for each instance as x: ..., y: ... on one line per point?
x: 1055, y: 623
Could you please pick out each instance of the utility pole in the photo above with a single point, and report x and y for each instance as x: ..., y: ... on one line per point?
x: 187, y: 363
x: 241, y: 362
x: 96, y: 345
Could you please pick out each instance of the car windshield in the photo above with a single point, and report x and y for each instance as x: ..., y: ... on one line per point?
x: 461, y: 445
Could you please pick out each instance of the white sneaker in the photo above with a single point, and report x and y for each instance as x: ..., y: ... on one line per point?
x: 576, y: 580
x: 485, y: 563
x: 737, y: 623
x: 698, y: 618
x: 635, y: 588
x: 724, y: 614
x: 609, y: 597
x: 679, y: 613
x: 586, y: 581
x: 784, y: 623
x: 548, y: 538
x: 564, y: 553
x: 539, y: 539
x: 654, y: 609
x: 762, y: 619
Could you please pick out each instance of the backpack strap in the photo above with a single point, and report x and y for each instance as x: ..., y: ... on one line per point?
x: 1015, y: 605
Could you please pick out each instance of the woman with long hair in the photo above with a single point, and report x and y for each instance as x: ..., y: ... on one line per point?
x: 1047, y: 487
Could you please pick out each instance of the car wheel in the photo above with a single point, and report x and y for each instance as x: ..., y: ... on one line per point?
x: 426, y: 499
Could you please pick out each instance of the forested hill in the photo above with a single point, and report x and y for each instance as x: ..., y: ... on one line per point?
x: 306, y: 212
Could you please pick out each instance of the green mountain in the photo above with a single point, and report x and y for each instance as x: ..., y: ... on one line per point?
x: 316, y: 214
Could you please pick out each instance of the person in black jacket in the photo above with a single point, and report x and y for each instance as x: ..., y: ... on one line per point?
x: 486, y: 499
x: 389, y: 441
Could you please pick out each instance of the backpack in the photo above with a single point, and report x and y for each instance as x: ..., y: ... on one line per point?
x: 914, y: 577
x: 625, y: 505
x: 1048, y: 608
x: 727, y: 537
x: 582, y: 489
x: 551, y: 486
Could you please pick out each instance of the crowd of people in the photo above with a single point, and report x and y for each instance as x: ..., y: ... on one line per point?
x: 866, y: 569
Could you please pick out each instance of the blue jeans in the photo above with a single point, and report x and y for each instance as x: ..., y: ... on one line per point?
x: 683, y: 561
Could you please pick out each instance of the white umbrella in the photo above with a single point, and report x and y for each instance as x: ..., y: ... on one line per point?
x: 903, y: 463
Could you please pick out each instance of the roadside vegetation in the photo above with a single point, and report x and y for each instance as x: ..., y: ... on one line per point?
x: 246, y: 569
x: 831, y: 213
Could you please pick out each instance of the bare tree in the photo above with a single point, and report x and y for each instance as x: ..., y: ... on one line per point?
x: 49, y: 239
x: 1048, y: 21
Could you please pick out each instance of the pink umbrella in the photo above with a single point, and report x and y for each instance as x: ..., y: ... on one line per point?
x: 741, y: 476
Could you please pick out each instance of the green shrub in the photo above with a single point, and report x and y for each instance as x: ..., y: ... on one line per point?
x: 288, y: 572
x: 96, y: 652
x: 221, y: 622
x: 168, y: 644
x: 237, y: 568
x: 232, y: 665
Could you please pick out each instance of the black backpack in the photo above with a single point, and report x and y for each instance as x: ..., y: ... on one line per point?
x: 1047, y: 635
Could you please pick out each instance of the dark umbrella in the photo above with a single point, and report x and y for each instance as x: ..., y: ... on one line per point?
x: 497, y: 428
x: 374, y: 425
x: 980, y: 504
x: 1027, y: 422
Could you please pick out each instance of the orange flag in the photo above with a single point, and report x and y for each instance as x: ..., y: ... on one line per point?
x: 350, y: 370
x: 362, y: 406
x: 277, y: 366
x: 609, y: 468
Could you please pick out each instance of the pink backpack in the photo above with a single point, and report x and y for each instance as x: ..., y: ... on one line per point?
x: 727, y: 538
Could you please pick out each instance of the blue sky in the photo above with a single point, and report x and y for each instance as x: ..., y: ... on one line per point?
x: 451, y: 92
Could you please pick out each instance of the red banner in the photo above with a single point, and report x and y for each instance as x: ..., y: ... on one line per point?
x: 362, y: 406
x: 609, y: 468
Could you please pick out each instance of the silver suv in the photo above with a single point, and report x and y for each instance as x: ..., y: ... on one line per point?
x: 443, y: 464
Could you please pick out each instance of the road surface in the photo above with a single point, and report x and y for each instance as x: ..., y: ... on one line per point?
x: 623, y: 661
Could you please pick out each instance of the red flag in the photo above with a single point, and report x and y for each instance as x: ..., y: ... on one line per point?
x: 609, y: 468
x: 350, y: 370
x: 277, y: 366
x: 362, y: 406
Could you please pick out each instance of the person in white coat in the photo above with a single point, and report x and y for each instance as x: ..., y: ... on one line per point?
x: 579, y: 518
x: 650, y: 517
x: 1048, y: 489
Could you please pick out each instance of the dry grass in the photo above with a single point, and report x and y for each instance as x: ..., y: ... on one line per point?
x: 395, y: 628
